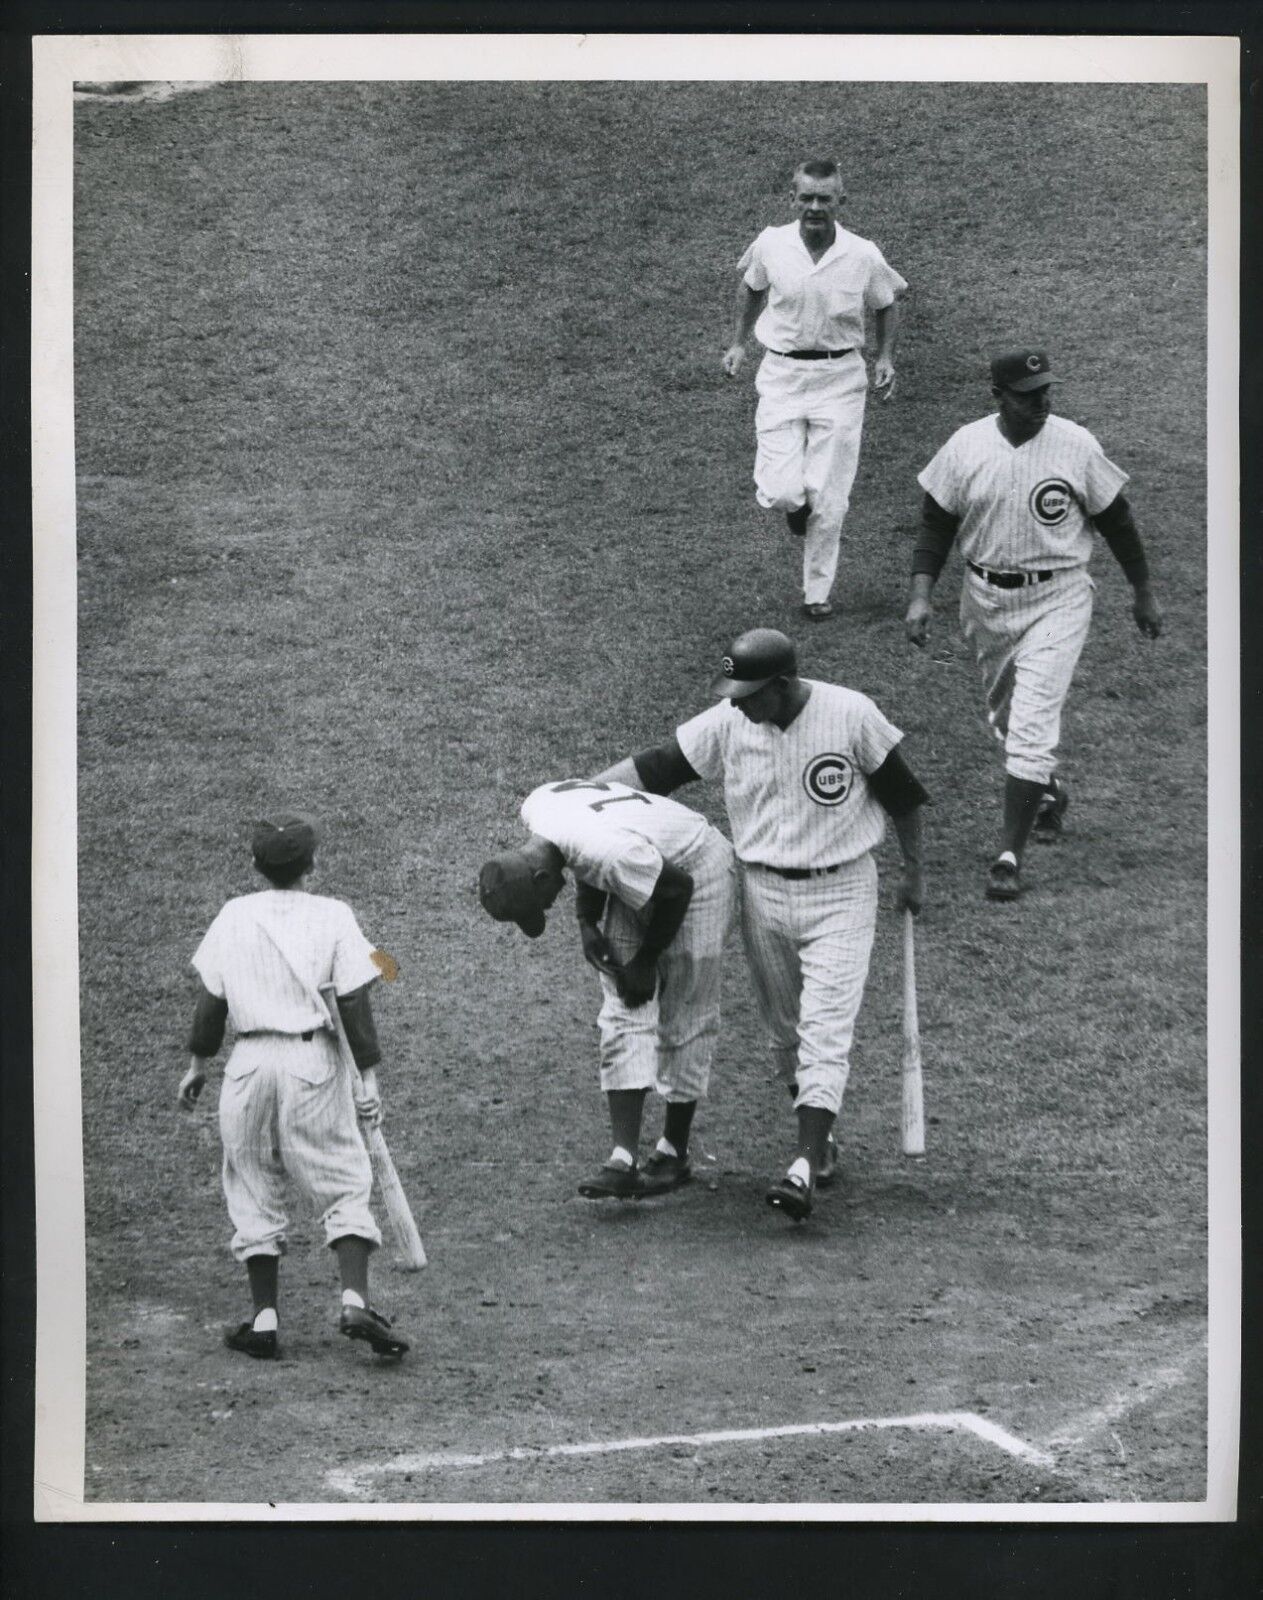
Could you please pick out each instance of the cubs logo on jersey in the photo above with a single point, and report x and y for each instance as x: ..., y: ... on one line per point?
x: 1050, y: 501
x: 828, y: 779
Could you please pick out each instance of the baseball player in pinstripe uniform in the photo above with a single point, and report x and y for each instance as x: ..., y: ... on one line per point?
x: 655, y: 897
x: 1022, y: 490
x: 804, y: 291
x: 286, y: 1108
x: 810, y: 771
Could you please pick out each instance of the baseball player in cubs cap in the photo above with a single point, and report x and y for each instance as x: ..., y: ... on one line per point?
x: 810, y: 772
x: 1022, y: 491
x: 655, y: 895
x: 286, y: 1106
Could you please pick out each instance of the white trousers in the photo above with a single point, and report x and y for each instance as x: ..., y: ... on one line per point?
x: 808, y: 942
x: 1028, y: 642
x: 286, y: 1109
x: 808, y: 424
x: 668, y: 1043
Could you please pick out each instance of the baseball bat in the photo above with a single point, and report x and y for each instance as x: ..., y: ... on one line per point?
x: 913, y: 1087
x: 409, y: 1251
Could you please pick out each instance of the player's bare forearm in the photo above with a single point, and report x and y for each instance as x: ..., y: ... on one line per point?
x: 920, y: 608
x: 885, y: 324
x: 1146, y: 610
x: 912, y: 887
x: 750, y: 303
x: 621, y: 772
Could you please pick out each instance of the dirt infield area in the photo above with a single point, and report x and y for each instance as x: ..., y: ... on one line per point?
x: 408, y: 480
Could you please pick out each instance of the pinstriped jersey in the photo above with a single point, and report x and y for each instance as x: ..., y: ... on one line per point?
x: 268, y: 953
x: 817, y: 305
x: 1023, y: 507
x: 614, y: 837
x: 797, y: 797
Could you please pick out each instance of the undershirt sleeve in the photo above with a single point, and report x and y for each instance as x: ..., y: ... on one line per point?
x: 664, y: 768
x: 356, y: 1012
x: 935, y: 539
x: 1117, y: 527
x: 896, y: 786
x: 210, y: 1015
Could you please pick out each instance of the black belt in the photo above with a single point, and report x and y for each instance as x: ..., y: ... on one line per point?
x: 1010, y: 580
x: 814, y: 355
x: 798, y: 872
x: 278, y: 1033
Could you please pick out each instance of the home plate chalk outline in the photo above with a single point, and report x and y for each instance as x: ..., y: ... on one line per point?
x: 351, y: 1481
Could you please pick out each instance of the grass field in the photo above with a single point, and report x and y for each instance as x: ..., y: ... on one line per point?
x: 408, y: 480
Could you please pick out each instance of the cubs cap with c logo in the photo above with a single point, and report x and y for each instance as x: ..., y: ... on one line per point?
x: 753, y: 659
x: 1022, y: 370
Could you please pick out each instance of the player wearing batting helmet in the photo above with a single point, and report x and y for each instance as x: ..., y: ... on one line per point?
x: 810, y: 772
x: 655, y: 899
x: 286, y: 1107
x: 1021, y: 492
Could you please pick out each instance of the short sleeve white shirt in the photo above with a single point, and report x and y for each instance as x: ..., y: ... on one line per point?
x: 798, y: 797
x: 268, y: 954
x: 614, y: 837
x: 1023, y: 507
x: 817, y: 305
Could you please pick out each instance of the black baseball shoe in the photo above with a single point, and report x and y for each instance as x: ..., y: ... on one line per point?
x: 828, y: 1171
x: 792, y: 1196
x: 262, y: 1346
x: 662, y: 1173
x: 614, y: 1183
x: 796, y: 521
x: 362, y: 1322
x: 1004, y: 882
x: 817, y: 610
x: 1048, y: 826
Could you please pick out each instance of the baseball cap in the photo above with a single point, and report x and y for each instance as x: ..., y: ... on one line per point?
x: 506, y: 887
x: 754, y: 659
x: 276, y: 841
x: 1022, y: 370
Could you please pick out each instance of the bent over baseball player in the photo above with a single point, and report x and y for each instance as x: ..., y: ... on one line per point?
x: 287, y: 1108
x: 810, y: 771
x: 1022, y: 491
x: 655, y: 891
x: 805, y: 289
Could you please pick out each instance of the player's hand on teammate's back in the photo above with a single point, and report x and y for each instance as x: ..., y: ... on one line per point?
x: 911, y: 890
x: 734, y: 359
x: 1147, y: 612
x: 917, y: 622
x: 637, y: 981
x: 191, y: 1086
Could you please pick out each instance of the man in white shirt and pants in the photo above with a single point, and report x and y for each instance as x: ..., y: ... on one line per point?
x: 805, y: 290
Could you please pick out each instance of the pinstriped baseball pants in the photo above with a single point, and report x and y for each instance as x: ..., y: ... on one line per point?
x: 668, y: 1043
x: 286, y: 1110
x: 1028, y: 642
x: 808, y: 942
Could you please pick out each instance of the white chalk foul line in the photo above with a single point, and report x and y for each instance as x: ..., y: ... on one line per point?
x: 352, y: 1481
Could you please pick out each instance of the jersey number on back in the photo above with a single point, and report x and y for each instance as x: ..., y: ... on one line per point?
x: 598, y: 805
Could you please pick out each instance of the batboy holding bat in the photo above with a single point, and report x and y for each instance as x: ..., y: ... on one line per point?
x: 286, y: 1108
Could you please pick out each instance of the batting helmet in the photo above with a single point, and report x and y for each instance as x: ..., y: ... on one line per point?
x: 753, y: 659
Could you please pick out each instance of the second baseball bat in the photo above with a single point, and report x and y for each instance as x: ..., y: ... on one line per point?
x: 913, y: 1086
x: 409, y: 1251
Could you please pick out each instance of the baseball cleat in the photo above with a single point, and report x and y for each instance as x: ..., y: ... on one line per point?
x: 1048, y: 825
x: 362, y: 1322
x: 244, y: 1339
x: 796, y: 520
x: 662, y: 1173
x: 614, y: 1183
x: 792, y: 1196
x: 1003, y: 880
x: 817, y: 610
x: 828, y: 1171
